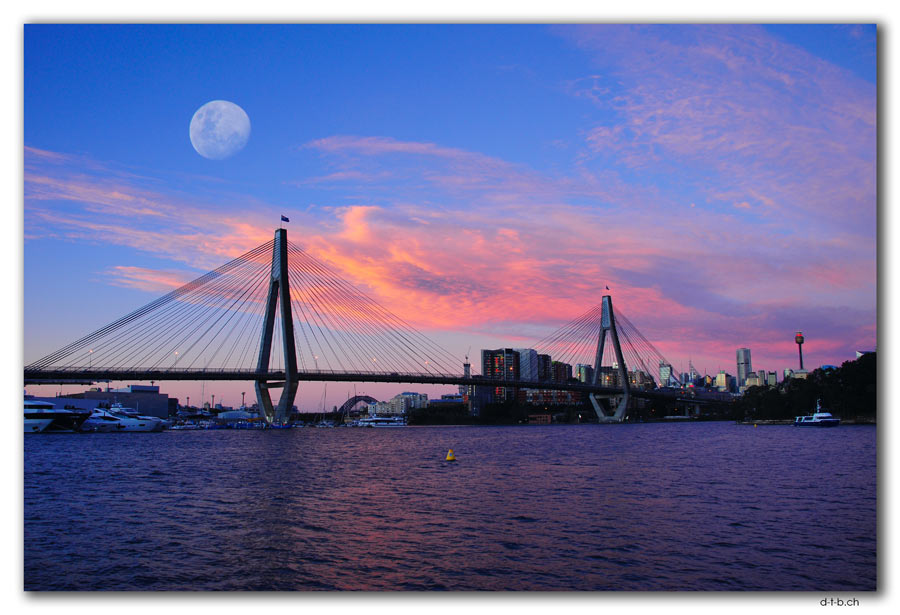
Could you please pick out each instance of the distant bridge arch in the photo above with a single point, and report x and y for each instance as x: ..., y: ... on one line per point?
x: 351, y: 403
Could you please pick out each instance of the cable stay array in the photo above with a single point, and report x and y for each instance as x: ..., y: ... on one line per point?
x: 215, y: 321
x: 576, y: 343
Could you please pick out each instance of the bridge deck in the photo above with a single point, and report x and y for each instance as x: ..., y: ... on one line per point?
x: 69, y: 376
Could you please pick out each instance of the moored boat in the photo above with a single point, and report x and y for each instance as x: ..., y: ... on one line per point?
x: 820, y: 418
x: 36, y: 425
x: 44, y: 417
x: 100, y: 421
x: 118, y: 418
x: 382, y: 421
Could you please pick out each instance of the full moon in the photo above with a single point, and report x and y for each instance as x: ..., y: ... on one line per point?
x: 219, y: 129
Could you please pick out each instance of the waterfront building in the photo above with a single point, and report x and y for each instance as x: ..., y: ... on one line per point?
x: 400, y: 404
x: 528, y: 364
x: 744, y: 366
x: 452, y: 403
x: 539, y: 419
x: 584, y: 373
x: 608, y: 377
x: 545, y: 368
x: 466, y: 390
x: 640, y: 379
x: 547, y: 397
x: 480, y: 397
x: 501, y: 364
x: 560, y: 372
x: 145, y: 399
x: 415, y: 400
x: 384, y: 408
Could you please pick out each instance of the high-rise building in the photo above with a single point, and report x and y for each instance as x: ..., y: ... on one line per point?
x: 415, y: 400
x: 665, y: 374
x: 545, y: 368
x: 560, y: 372
x: 725, y: 382
x: 640, y: 379
x: 584, y: 373
x: 771, y: 379
x: 608, y: 377
x: 501, y: 364
x: 744, y: 366
x: 528, y: 364
x: 693, y: 375
x: 466, y: 390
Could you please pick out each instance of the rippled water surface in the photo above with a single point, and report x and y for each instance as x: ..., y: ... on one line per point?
x: 706, y: 506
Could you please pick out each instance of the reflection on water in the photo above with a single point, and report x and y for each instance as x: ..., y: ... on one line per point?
x: 708, y: 506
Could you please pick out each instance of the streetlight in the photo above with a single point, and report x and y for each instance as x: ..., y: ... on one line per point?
x: 91, y: 358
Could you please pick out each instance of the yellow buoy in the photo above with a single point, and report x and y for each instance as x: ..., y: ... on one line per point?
x: 755, y: 425
x: 450, y: 455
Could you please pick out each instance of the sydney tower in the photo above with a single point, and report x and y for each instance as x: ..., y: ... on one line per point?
x: 799, y: 339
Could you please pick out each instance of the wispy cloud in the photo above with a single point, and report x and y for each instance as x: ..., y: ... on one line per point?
x: 142, y: 278
x: 737, y: 113
x: 725, y: 191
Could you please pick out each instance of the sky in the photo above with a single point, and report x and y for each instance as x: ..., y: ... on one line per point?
x: 484, y: 182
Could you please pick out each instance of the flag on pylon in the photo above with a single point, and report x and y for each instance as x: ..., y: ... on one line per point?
x: 285, y: 219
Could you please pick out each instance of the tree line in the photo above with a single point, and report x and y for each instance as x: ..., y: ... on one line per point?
x: 849, y: 392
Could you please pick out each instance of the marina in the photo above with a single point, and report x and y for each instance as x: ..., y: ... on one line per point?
x: 44, y: 417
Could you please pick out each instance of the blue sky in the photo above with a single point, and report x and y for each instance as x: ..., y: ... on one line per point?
x: 720, y: 178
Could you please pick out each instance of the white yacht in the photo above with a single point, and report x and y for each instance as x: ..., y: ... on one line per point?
x: 382, y: 421
x: 101, y: 421
x: 36, y: 425
x: 44, y: 417
x: 820, y: 418
x: 118, y: 418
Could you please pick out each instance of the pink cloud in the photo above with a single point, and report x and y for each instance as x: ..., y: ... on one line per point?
x: 151, y: 280
x: 491, y: 248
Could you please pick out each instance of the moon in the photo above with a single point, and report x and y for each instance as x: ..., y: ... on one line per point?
x: 219, y: 129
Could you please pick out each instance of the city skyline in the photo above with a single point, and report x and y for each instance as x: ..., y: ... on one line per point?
x: 487, y: 188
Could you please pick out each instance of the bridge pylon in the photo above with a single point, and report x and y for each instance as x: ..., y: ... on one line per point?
x: 608, y: 325
x: 279, y: 292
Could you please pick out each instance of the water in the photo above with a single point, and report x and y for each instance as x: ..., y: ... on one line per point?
x: 706, y: 506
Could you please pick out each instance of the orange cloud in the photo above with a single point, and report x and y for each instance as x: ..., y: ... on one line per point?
x: 517, y: 265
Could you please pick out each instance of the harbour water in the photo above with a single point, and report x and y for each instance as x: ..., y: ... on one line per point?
x: 700, y: 506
